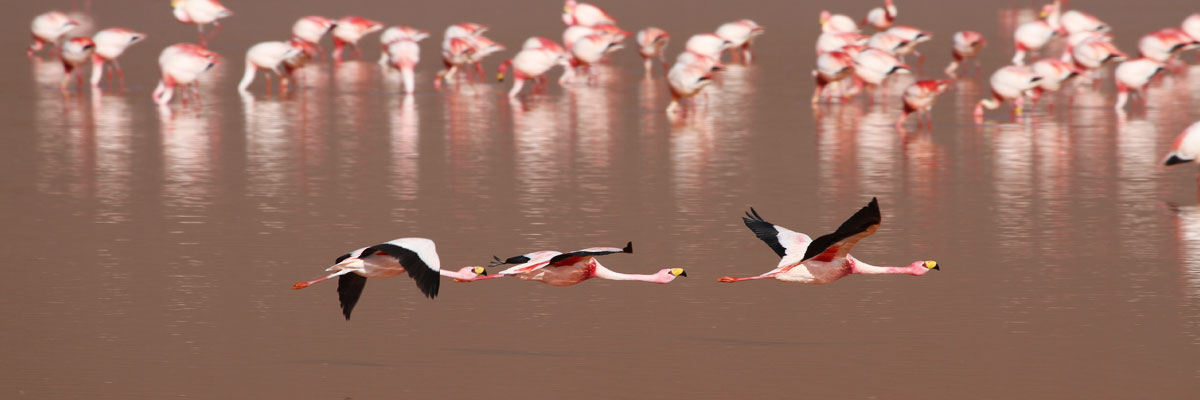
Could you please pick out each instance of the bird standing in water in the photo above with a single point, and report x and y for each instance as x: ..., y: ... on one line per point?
x: 47, y: 29
x: 201, y: 13
x: 110, y: 44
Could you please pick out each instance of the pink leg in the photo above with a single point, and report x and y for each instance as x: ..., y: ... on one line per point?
x: 730, y: 279
x: 302, y: 285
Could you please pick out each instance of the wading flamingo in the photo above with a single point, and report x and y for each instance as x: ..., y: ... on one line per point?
x: 1073, y: 21
x: 584, y: 14
x: 827, y: 258
x: 311, y: 29
x: 882, y: 18
x: 832, y: 67
x: 707, y: 44
x: 686, y: 81
x: 1162, y: 45
x: 966, y: 45
x: 873, y: 66
x: 181, y: 64
x: 651, y: 42
x: 919, y: 98
x: 834, y: 41
x: 348, y: 31
x: 1012, y: 83
x: 200, y: 13
x: 110, y: 44
x: 1032, y: 36
x: 1134, y: 75
x: 566, y: 269
x: 914, y: 37
x: 532, y: 64
x: 1092, y: 54
x: 394, y: 33
x: 404, y: 54
x: 455, y: 52
x: 416, y: 256
x: 1191, y: 26
x: 837, y: 23
x: 740, y: 34
x: 887, y: 42
x: 271, y: 57
x: 483, y: 47
x: 590, y: 49
x: 75, y: 53
x: 47, y: 29
x: 1186, y: 147
x: 1054, y: 73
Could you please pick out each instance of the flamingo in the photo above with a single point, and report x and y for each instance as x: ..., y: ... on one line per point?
x: 566, y: 269
x: 200, y: 13
x: 919, y: 98
x: 686, y: 81
x: 462, y: 31
x: 483, y: 47
x: 47, y: 29
x: 404, y: 55
x: 914, y: 37
x: 966, y: 45
x: 1073, y: 21
x: 1191, y: 25
x: 394, y: 33
x: 271, y: 57
x: 1135, y: 75
x: 591, y: 49
x: 584, y: 14
x: 826, y: 259
x: 873, y: 66
x: 110, y: 44
x: 455, y: 52
x: 416, y: 256
x: 740, y: 34
x: 837, y: 23
x: 1054, y: 74
x: 575, y: 32
x: 75, y: 52
x: 1092, y: 54
x: 311, y: 29
x: 832, y: 67
x: 834, y: 41
x: 882, y: 18
x: 707, y: 44
x: 532, y: 64
x: 651, y: 42
x: 1162, y: 45
x: 886, y: 42
x: 700, y: 61
x: 181, y: 64
x: 348, y: 31
x: 1012, y: 83
x: 1033, y: 35
x: 1186, y: 147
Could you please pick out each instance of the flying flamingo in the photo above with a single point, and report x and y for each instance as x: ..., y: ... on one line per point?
x: 837, y: 23
x: 740, y: 34
x: 348, y: 31
x: 590, y: 49
x: 1135, y: 75
x: 832, y: 67
x: 686, y: 81
x: 873, y: 66
x: 966, y: 45
x: 1032, y: 36
x: 1054, y: 73
x: 404, y: 54
x: 311, y: 29
x: 919, y: 98
x: 271, y: 57
x: 882, y: 18
x: 416, y: 256
x: 584, y: 14
x: 566, y: 269
x: 826, y: 259
x: 200, y: 13
x: 110, y: 44
x: 75, y: 52
x: 1186, y: 147
x: 394, y: 33
x: 1012, y: 83
x: 181, y: 64
x: 47, y: 29
x: 532, y: 64
x: 455, y: 52
x: 651, y: 42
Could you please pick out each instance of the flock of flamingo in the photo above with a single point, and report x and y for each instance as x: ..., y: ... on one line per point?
x: 848, y: 62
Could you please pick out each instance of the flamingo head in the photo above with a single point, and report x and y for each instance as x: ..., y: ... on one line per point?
x: 669, y: 274
x: 922, y: 267
x: 472, y: 272
x: 825, y: 16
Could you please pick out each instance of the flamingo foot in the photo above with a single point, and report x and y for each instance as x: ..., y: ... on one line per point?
x: 727, y: 279
x: 300, y: 285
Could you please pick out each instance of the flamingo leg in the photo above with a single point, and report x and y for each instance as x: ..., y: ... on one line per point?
x: 302, y: 285
x: 730, y: 279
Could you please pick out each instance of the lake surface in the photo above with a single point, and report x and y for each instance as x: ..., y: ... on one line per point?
x: 151, y: 253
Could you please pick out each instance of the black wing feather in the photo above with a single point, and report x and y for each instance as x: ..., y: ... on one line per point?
x: 764, y: 230
x: 427, y: 279
x: 350, y: 287
x: 860, y: 222
x: 628, y: 249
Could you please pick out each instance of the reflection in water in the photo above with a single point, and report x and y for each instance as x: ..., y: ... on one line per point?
x: 470, y: 117
x: 541, y: 161
x: 877, y: 153
x: 405, y: 129
x: 114, y: 155
x: 1136, y: 189
x: 270, y: 164
x: 596, y: 123
x: 66, y: 137
x: 836, y: 145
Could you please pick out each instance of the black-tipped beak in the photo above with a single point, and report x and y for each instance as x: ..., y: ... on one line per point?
x: 683, y: 274
x: 484, y: 273
x: 937, y: 268
x: 1174, y: 159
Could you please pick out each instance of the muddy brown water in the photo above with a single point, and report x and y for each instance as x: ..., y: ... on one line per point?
x: 150, y: 255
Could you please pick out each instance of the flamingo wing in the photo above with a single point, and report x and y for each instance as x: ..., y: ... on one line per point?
x: 837, y: 245
x: 350, y: 287
x: 782, y: 240
x: 578, y: 255
x: 527, y: 262
x: 427, y: 278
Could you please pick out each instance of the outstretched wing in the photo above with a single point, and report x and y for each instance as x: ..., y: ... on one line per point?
x: 350, y: 287
x: 533, y: 261
x: 782, y: 240
x: 578, y: 255
x: 427, y: 278
x: 837, y: 245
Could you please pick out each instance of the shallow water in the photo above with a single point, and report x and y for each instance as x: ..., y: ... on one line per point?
x: 152, y: 253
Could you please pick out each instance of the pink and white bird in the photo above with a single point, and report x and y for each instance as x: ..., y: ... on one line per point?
x: 415, y: 256
x: 394, y: 33
x: 483, y: 47
x: 590, y: 49
x: 201, y: 13
x: 532, y: 63
x: 1092, y: 54
x: 110, y: 44
x: 566, y: 269
x: 966, y: 45
x: 271, y: 57
x: 1032, y: 36
x: 1134, y: 75
x: 886, y: 42
x: 882, y: 18
x: 1186, y: 147
x: 181, y: 64
x: 740, y: 34
x: 348, y: 31
x: 707, y: 44
x: 834, y: 41
x: 1013, y: 84
x: 685, y: 82
x: 873, y: 66
x: 832, y: 67
x: 403, y: 55
x: 651, y: 42
x: 826, y: 259
x: 919, y: 98
x: 75, y: 52
x: 837, y: 23
x: 1054, y: 73
x: 48, y: 29
x: 1191, y: 25
x: 1075, y: 39
x: 455, y: 53
x: 311, y: 29
x: 914, y: 37
x: 1162, y: 45
x: 584, y: 14
x: 1073, y: 21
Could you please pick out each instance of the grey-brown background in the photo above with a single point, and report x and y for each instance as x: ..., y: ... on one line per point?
x: 151, y: 255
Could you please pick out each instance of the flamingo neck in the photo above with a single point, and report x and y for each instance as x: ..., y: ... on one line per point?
x: 605, y: 273
x: 859, y: 267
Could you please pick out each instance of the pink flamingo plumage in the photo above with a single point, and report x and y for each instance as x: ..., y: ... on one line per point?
x: 74, y: 53
x: 832, y: 67
x: 348, y: 31
x: 1054, y: 73
x: 201, y: 13
x: 181, y: 64
x: 740, y: 34
x: 584, y: 14
x: 48, y: 28
x: 873, y: 66
x: 110, y: 44
x: 966, y: 45
x: 311, y: 29
x: 1186, y: 148
x: 1191, y: 25
x: 919, y: 98
x: 686, y: 81
x: 1134, y: 75
x: 1012, y: 83
x: 532, y: 63
x: 827, y: 258
x: 455, y: 53
x: 834, y: 41
x: 566, y: 269
x: 651, y: 42
x: 1034, y: 35
x: 831, y: 22
x: 273, y: 57
x: 403, y: 55
x: 394, y: 33
x: 882, y: 18
x: 1162, y: 45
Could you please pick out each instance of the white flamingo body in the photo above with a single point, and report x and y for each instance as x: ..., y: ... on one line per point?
x: 1076, y: 38
x: 700, y: 61
x: 584, y: 14
x: 1095, y: 52
x: 1162, y: 45
x: 1186, y: 147
x: 686, y: 81
x: 1054, y: 73
x: 1078, y: 21
x: 1031, y: 36
x: 394, y: 33
x: 911, y: 35
x: 1134, y: 75
x: 49, y: 28
x: 832, y: 67
x: 404, y: 55
x: 1012, y: 83
x: 181, y: 64
x: 1191, y: 25
x: 873, y: 66
x: 271, y: 57
x: 200, y: 13
x: 834, y: 41
x: 966, y: 45
x: 707, y: 44
x: 312, y: 28
x: 110, y: 44
x: 882, y: 18
x: 533, y: 63
x: 837, y: 23
x: 740, y: 34
x: 559, y: 269
x: 75, y: 52
x: 886, y: 42
x: 919, y: 98
x: 651, y: 42
x: 349, y: 30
